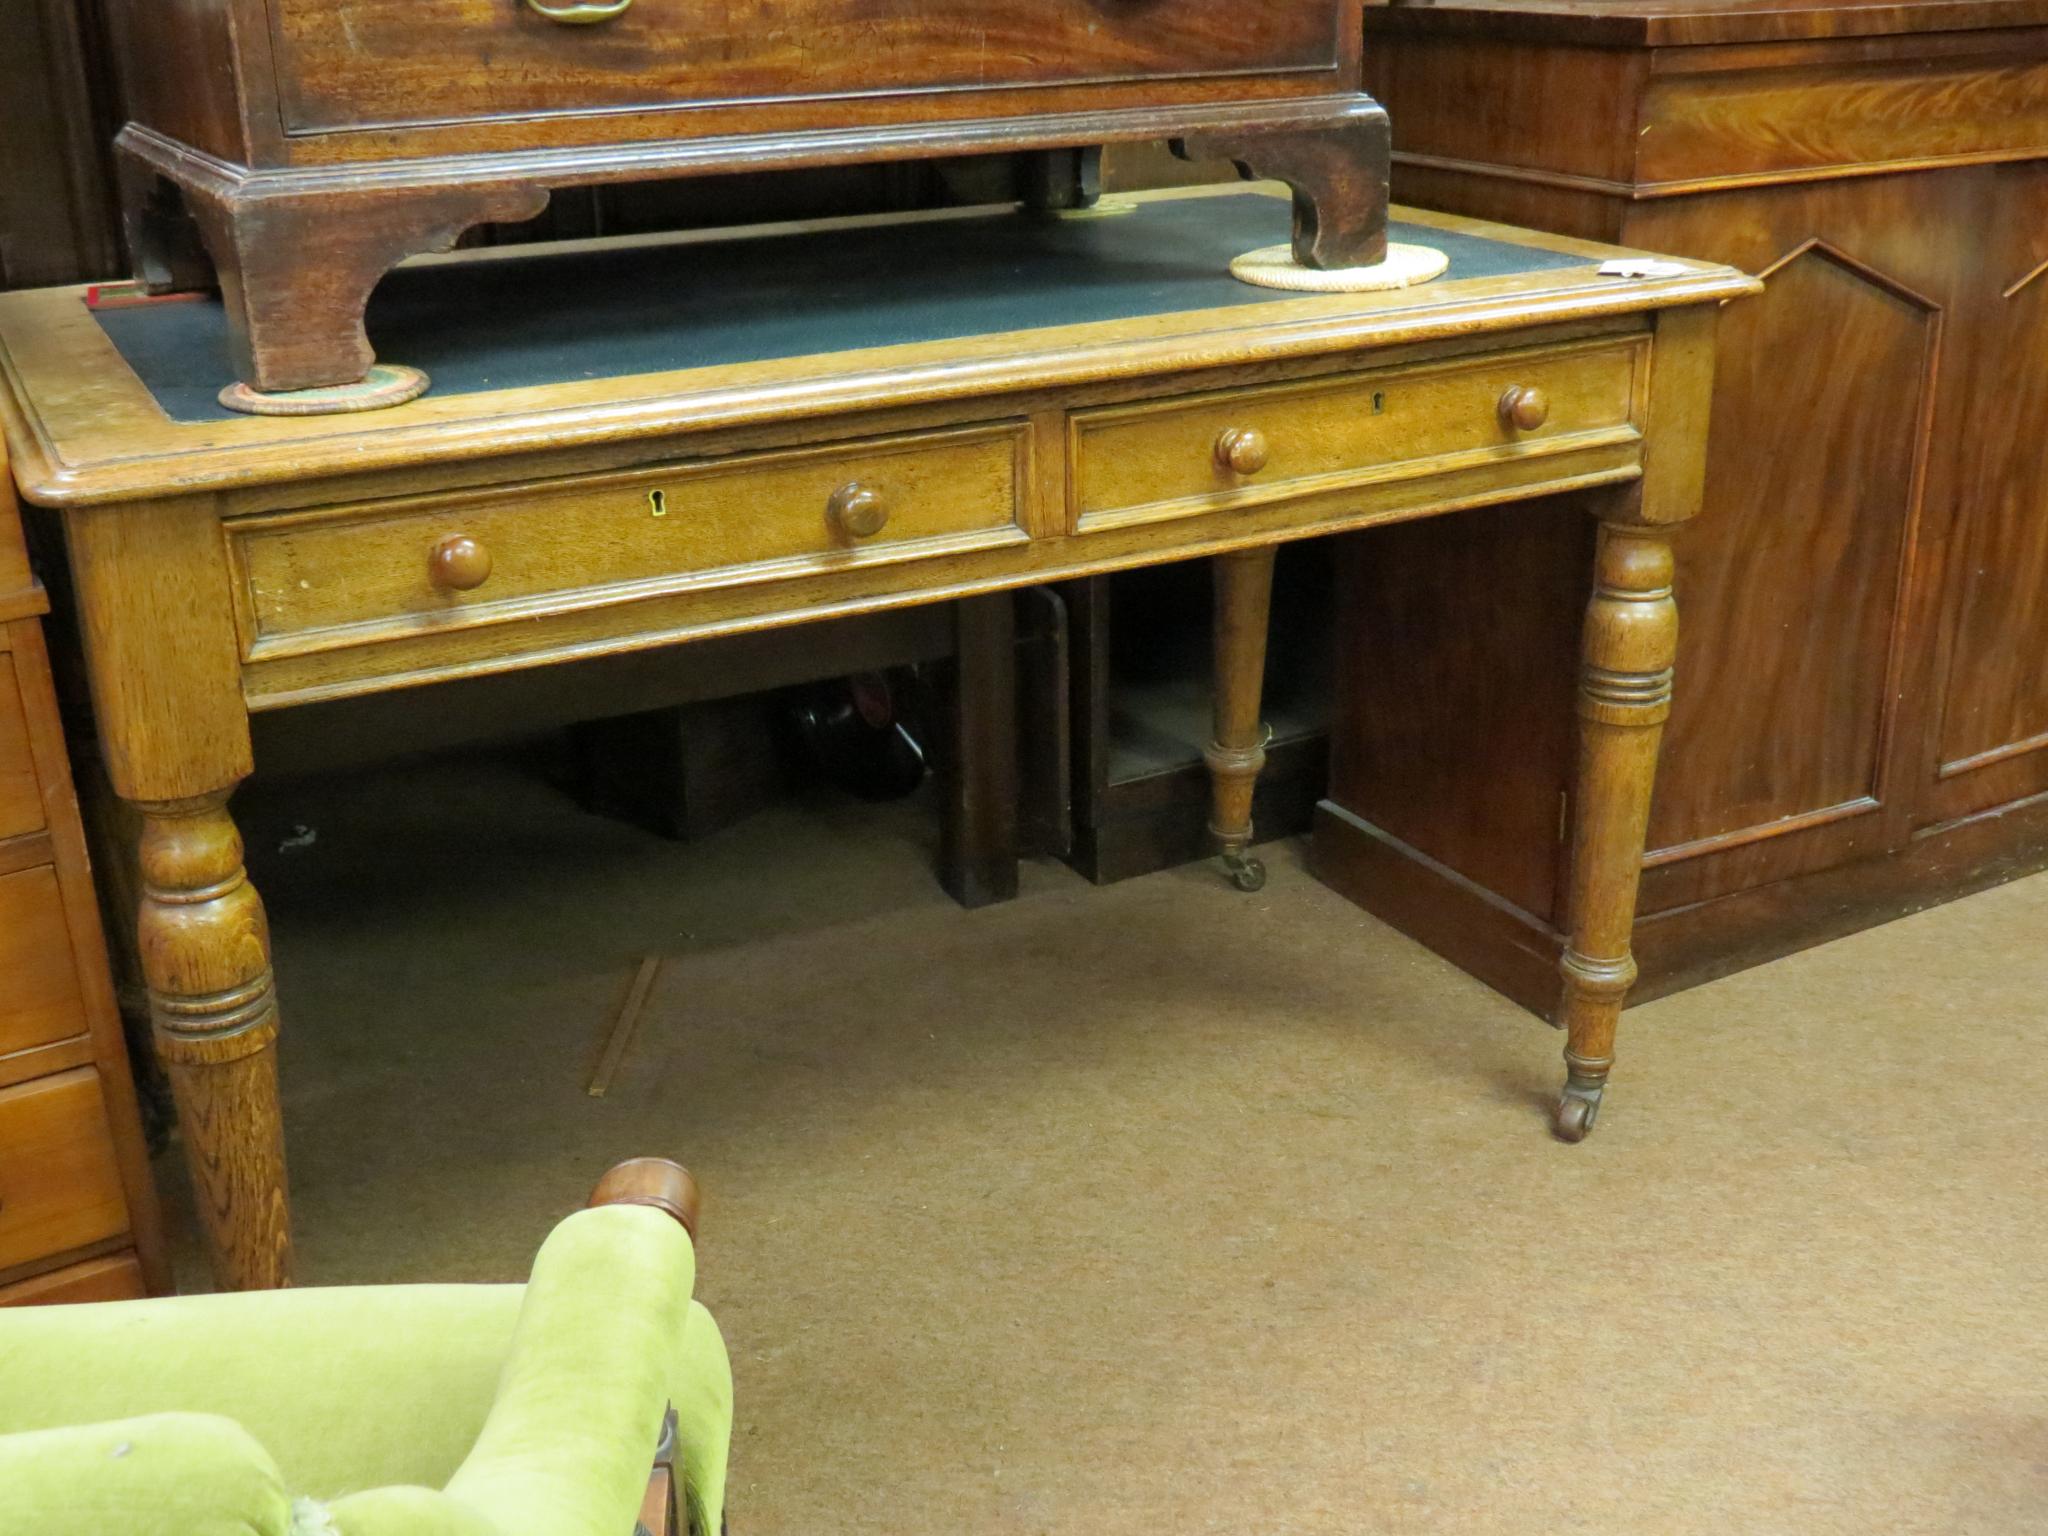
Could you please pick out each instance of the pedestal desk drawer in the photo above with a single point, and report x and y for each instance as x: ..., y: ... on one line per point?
x: 352, y: 575
x: 1241, y: 448
x: 60, y: 1187
x: 354, y: 63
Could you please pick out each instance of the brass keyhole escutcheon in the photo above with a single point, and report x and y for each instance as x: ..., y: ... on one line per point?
x: 657, y: 503
x: 1379, y: 401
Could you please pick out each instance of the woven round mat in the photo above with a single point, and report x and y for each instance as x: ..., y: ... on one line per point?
x: 386, y: 385
x: 1274, y: 266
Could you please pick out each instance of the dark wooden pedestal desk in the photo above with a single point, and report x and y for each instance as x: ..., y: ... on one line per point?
x: 625, y: 451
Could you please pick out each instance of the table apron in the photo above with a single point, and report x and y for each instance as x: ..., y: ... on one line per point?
x: 402, y: 655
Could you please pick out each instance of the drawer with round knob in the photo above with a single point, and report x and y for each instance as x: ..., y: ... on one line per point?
x: 341, y: 576
x: 1247, y: 448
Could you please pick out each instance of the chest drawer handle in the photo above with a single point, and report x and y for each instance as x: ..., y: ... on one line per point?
x: 579, y: 15
x: 1241, y: 450
x: 459, y: 564
x: 1524, y: 407
x: 857, y: 511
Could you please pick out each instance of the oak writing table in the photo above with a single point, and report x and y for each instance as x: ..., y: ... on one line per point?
x: 623, y: 451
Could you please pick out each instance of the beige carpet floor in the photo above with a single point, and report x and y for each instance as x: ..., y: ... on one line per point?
x: 1162, y: 1208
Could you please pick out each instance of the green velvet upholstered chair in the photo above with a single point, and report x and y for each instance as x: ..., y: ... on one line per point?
x: 596, y: 1394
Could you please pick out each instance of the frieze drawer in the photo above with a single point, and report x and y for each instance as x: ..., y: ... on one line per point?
x: 309, y: 581
x: 1248, y: 447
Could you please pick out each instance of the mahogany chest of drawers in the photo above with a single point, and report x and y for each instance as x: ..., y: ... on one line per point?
x: 301, y: 148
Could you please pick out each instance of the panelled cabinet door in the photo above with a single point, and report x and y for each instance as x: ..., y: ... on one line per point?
x: 1823, y: 464
x: 1990, y: 708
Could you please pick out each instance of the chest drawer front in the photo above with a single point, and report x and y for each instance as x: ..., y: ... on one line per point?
x: 21, y: 796
x: 1243, y: 448
x: 353, y: 63
x: 346, y: 576
x: 60, y: 1187
x: 117, y: 1277
x: 39, y: 997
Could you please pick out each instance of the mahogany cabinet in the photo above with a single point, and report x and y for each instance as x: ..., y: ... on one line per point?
x: 78, y: 1213
x: 302, y: 148
x: 1860, y: 724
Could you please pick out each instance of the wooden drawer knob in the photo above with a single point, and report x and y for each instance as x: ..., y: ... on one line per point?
x: 1241, y: 450
x: 459, y: 564
x: 1524, y: 407
x: 857, y: 511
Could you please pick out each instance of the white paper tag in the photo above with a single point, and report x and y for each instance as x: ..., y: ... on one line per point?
x: 1641, y: 266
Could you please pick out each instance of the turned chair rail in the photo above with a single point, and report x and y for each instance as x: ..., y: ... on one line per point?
x: 655, y: 1181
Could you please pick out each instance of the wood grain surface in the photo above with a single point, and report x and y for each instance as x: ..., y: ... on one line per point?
x: 1458, y: 688
x: 1862, y: 593
x: 60, y: 1185
x: 58, y: 222
x: 362, y: 63
x: 316, y: 145
x: 58, y: 1021
x: 1990, y: 727
x: 118, y: 1277
x: 41, y: 1002
x: 21, y: 798
x: 83, y: 429
x: 292, y: 561
x: 1815, y: 491
x: 1157, y: 459
x: 1634, y: 24
x: 205, y: 946
x: 1236, y: 751
x: 1676, y: 121
x: 315, y: 580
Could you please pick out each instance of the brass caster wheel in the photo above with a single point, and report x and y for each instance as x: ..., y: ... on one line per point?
x: 1576, y: 1112
x: 1246, y: 874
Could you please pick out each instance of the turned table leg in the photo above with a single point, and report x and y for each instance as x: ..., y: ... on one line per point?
x: 205, y: 948
x: 978, y: 837
x: 163, y: 656
x: 1631, y: 637
x: 1244, y: 599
